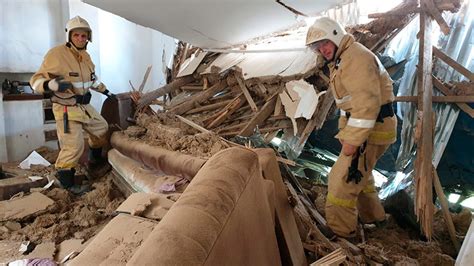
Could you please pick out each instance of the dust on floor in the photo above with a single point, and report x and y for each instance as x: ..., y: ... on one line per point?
x: 72, y: 217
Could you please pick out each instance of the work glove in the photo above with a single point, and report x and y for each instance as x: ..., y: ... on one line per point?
x: 354, y: 173
x: 110, y: 95
x: 59, y: 84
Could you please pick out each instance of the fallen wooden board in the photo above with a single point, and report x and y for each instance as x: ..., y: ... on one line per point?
x: 451, y: 62
x: 25, y: 207
x: 267, y: 109
x: 246, y: 93
x: 441, y: 87
x: 284, y: 212
x: 199, y: 98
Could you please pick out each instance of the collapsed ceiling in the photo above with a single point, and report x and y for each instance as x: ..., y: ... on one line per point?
x: 215, y: 24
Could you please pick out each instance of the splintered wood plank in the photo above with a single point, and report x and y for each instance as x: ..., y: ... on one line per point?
x: 230, y: 108
x: 145, y: 78
x: 439, y: 99
x: 278, y: 107
x: 192, y: 87
x: 209, y: 107
x: 199, y: 98
x: 431, y: 8
x: 259, y: 117
x: 445, y: 208
x: 148, y: 97
x: 424, y: 208
x: 463, y: 106
x: 246, y: 92
x: 452, y: 63
x: 192, y: 124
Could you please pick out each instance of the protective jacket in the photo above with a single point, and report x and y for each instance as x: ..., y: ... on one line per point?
x: 75, y: 66
x: 361, y: 86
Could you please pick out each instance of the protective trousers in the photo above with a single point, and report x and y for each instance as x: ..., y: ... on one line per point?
x: 345, y: 201
x: 72, y: 143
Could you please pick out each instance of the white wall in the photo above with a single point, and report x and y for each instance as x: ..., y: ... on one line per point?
x: 28, y: 29
x: 121, y: 50
x: 24, y: 131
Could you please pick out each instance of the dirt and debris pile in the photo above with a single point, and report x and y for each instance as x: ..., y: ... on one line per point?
x: 67, y: 217
x: 173, y: 135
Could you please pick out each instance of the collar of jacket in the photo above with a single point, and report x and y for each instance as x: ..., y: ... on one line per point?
x: 346, y: 41
x: 76, y: 52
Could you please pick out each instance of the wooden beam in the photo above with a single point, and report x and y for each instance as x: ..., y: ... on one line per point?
x: 278, y: 106
x: 147, y: 98
x: 192, y: 124
x: 199, y: 98
x: 430, y: 7
x: 306, y: 217
x: 208, y: 107
x: 452, y: 63
x: 228, y: 110
x: 463, y: 106
x: 445, y: 208
x: 192, y: 87
x: 439, y: 99
x: 246, y: 92
x: 424, y: 207
x: 259, y: 117
x: 145, y: 78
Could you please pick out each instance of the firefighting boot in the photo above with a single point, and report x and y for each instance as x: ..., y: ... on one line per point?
x: 66, y: 178
x: 97, y: 165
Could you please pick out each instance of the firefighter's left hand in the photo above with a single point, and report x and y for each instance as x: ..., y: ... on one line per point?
x: 109, y: 95
x: 348, y: 149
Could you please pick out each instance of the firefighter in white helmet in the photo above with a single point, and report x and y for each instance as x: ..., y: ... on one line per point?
x: 363, y: 91
x: 67, y: 75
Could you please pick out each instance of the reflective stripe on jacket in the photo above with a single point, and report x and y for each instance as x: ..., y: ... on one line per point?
x: 361, y: 85
x: 75, y: 66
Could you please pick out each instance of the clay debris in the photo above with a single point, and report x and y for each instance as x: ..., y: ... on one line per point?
x: 148, y: 205
x: 24, y: 207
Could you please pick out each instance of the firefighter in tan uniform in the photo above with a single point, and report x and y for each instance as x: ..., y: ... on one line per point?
x: 363, y: 91
x: 66, y: 75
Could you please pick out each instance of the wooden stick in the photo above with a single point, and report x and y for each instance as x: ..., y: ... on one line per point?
x: 199, y: 98
x: 259, y: 117
x: 452, y: 63
x: 440, y: 86
x: 424, y: 207
x: 430, y: 7
x: 192, y: 87
x: 147, y: 98
x: 145, y: 78
x: 208, y: 107
x: 246, y: 92
x: 230, y: 108
x: 445, y: 208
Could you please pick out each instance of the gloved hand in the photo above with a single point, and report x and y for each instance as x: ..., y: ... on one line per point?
x: 354, y: 173
x: 110, y: 95
x: 59, y: 84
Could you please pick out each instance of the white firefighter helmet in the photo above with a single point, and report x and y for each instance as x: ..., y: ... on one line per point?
x: 325, y: 28
x: 77, y: 23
